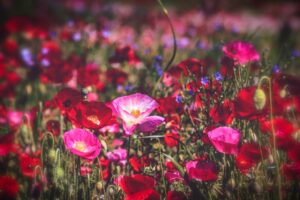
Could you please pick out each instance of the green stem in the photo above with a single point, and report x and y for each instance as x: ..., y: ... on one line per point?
x: 165, y: 11
x: 127, y: 159
x: 276, y: 158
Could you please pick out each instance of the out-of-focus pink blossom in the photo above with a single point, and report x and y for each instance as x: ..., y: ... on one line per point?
x: 225, y: 139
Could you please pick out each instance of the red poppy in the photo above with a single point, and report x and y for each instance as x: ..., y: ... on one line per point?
x: 88, y: 75
x: 28, y: 164
x: 93, y: 115
x: 244, y: 105
x: 8, y: 80
x: 193, y: 66
x: 291, y: 171
x: 172, y: 76
x: 53, y: 126
x: 105, y: 167
x: 6, y: 144
x: 67, y: 98
x: 9, y: 188
x: 60, y: 72
x: 250, y: 154
x: 139, y: 187
x: 293, y: 153
x: 116, y: 76
x: 222, y: 113
x: 171, y: 139
x: 202, y: 170
x: 17, y: 24
x: 176, y: 195
x: 168, y: 105
x: 10, y: 46
x: 125, y: 54
x: 136, y: 164
x: 283, y: 132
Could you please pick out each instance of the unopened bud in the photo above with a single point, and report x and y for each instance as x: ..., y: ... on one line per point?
x: 259, y: 99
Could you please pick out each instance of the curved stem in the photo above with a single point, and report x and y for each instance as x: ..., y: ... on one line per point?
x: 165, y: 11
x: 276, y: 158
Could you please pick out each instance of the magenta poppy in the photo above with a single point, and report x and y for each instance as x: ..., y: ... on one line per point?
x: 202, y: 170
x: 82, y: 143
x: 118, y: 155
x: 225, y: 139
x: 134, y: 110
x: 241, y: 52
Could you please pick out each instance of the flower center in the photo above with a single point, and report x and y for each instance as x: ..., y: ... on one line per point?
x: 94, y: 119
x: 80, y: 146
x: 136, y: 113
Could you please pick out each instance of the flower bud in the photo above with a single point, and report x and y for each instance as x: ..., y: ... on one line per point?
x: 59, y: 172
x: 52, y: 155
x: 259, y: 99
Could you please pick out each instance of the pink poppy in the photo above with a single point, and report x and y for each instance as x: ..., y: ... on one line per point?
x: 241, y: 52
x: 82, y: 143
x: 225, y: 139
x: 118, y: 155
x: 202, y: 170
x: 134, y: 110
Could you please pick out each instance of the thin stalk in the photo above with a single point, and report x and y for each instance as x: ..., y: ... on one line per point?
x: 127, y: 159
x: 276, y: 158
x: 165, y: 11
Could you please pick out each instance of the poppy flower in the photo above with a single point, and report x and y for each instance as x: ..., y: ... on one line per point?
x: 250, y: 154
x: 124, y: 54
x: 9, y: 187
x: 241, y: 52
x: 176, y: 195
x: 168, y: 105
x: 138, y: 187
x: 193, y: 66
x: 82, y: 143
x: 134, y: 110
x: 116, y: 76
x: 222, y: 113
x: 28, y: 164
x: 172, y: 176
x: 291, y: 171
x: 118, y: 155
x: 172, y: 76
x: 244, y: 105
x: 136, y: 163
x: 84, y: 171
x: 283, y: 132
x: 171, y: 139
x: 293, y: 153
x: 225, y: 139
x: 66, y: 98
x: 53, y: 126
x: 92, y: 115
x: 202, y: 170
x: 88, y: 75
x: 61, y: 72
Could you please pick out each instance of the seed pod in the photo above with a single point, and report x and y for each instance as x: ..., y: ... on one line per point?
x: 52, y: 155
x: 259, y: 99
x: 59, y: 172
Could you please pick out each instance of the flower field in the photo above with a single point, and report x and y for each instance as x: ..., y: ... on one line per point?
x: 149, y: 100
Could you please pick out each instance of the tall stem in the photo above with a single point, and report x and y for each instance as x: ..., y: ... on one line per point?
x: 276, y: 158
x: 165, y: 11
x: 127, y: 159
